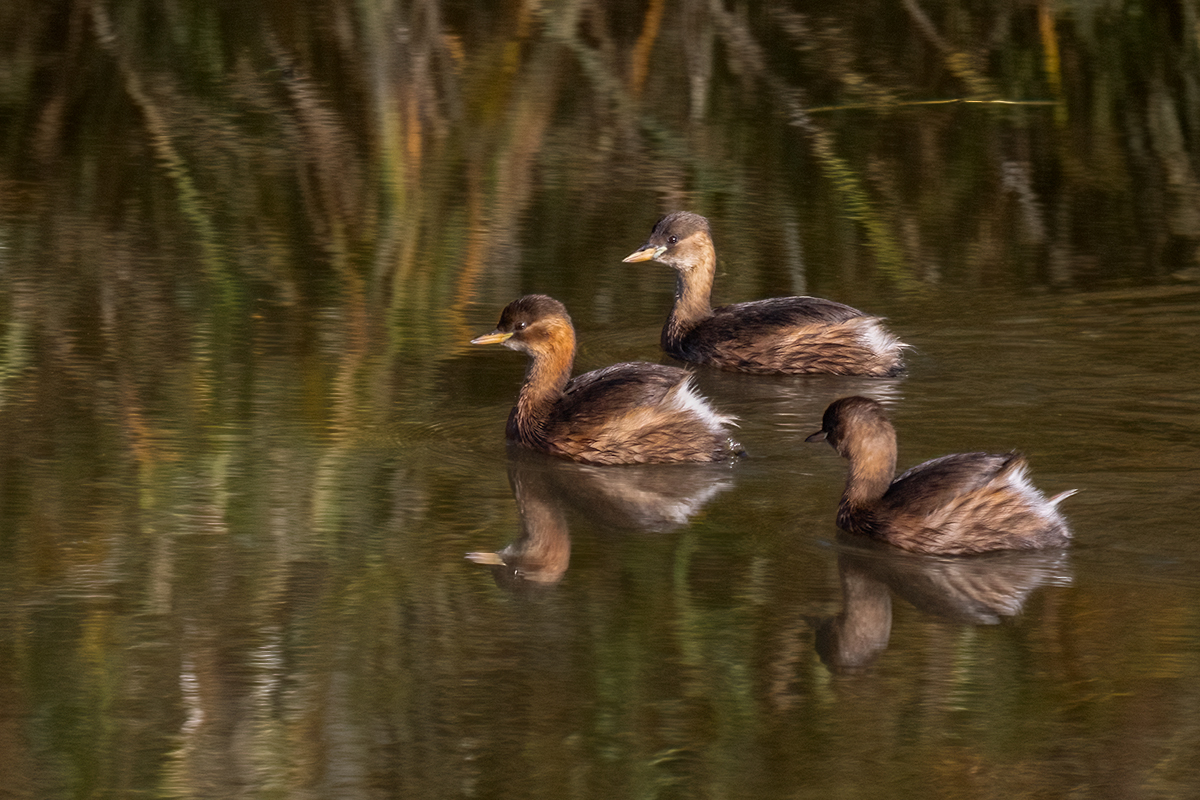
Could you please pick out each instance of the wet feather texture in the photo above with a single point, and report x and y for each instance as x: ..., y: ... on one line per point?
x: 631, y: 413
x: 953, y: 505
x: 777, y: 335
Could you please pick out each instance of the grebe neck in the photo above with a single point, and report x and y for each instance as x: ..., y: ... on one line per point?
x: 548, y: 373
x: 872, y: 468
x: 693, y: 292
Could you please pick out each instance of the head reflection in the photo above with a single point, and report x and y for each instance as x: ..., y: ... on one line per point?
x: 652, y: 498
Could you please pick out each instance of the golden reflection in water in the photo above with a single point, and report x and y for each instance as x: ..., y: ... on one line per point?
x: 239, y: 246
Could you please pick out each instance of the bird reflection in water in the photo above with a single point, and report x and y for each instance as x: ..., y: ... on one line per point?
x: 540, y: 554
x: 976, y: 590
x: 654, y: 498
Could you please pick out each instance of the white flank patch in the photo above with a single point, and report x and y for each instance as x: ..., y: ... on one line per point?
x: 879, y: 339
x: 1018, y: 481
x: 685, y: 398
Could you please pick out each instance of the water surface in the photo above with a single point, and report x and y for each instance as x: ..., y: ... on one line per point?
x: 246, y: 447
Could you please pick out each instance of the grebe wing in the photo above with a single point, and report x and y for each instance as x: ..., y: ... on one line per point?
x: 931, y: 485
x: 778, y: 312
x: 636, y: 413
x: 637, y: 383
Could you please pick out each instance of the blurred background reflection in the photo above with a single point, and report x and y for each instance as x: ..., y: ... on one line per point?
x: 245, y: 446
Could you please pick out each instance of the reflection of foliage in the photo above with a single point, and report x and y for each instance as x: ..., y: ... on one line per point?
x: 227, y: 229
x: 379, y: 121
x: 190, y: 164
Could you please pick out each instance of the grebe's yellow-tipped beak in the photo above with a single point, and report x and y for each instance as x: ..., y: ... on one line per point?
x: 819, y: 436
x: 495, y: 337
x: 492, y: 559
x: 644, y: 253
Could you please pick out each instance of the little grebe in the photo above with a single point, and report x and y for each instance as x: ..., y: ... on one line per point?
x: 781, y: 335
x: 953, y: 505
x: 634, y: 413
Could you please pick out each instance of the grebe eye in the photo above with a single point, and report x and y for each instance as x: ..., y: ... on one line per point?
x: 520, y: 326
x: 672, y: 239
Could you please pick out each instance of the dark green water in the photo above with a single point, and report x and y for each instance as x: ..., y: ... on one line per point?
x: 245, y: 446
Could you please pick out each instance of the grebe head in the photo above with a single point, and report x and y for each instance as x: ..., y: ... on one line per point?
x: 680, y: 240
x: 533, y: 324
x: 851, y: 423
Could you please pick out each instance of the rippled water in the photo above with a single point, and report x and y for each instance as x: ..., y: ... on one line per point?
x: 247, y: 448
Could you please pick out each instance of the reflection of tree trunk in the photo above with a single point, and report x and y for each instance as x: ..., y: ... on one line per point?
x: 1052, y: 62
x: 1166, y: 137
x: 959, y: 64
x: 18, y: 772
x: 751, y: 59
x: 642, y: 50
x: 49, y: 132
x: 698, y: 49
x: 160, y: 138
x: 504, y: 157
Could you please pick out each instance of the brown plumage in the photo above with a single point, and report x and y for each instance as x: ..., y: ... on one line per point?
x: 541, y: 554
x: 633, y: 413
x: 971, y: 591
x: 779, y: 335
x: 953, y: 505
